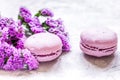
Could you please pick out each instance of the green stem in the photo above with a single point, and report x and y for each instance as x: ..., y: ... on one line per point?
x: 26, y: 25
x: 45, y: 26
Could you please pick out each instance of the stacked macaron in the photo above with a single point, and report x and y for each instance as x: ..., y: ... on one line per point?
x: 98, y: 42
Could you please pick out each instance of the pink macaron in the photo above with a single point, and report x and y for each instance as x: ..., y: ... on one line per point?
x: 98, y: 42
x: 44, y: 46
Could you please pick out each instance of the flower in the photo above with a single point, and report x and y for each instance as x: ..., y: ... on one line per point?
x: 12, y: 53
x: 36, y: 29
x: 65, y: 42
x: 51, y: 23
x: 56, y: 27
x: 29, y: 60
x: 14, y: 62
x: 1, y: 62
x: 46, y: 12
x: 3, y: 22
x: 25, y: 14
x: 20, y: 58
x: 20, y: 44
x: 8, y: 54
x: 35, y: 25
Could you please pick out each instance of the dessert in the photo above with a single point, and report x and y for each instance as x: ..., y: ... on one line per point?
x: 98, y: 42
x: 44, y: 46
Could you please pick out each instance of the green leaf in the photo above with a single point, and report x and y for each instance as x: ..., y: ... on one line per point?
x: 38, y: 14
x: 19, y: 17
x: 6, y: 59
x: 24, y: 23
x: 45, y: 26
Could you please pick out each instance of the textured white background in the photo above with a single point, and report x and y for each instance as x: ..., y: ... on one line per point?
x: 77, y: 15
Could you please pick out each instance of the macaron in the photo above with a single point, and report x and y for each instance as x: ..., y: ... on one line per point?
x: 44, y: 46
x: 98, y: 42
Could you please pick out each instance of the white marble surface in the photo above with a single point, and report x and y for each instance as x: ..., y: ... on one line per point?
x: 77, y: 15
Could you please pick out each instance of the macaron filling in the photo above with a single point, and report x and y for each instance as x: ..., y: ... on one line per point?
x: 51, y: 54
x: 98, y: 49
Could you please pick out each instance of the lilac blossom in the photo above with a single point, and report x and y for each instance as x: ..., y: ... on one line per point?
x: 15, y: 61
x: 65, y: 42
x: 12, y: 53
x: 51, y: 23
x: 57, y: 27
x: 30, y: 60
x: 25, y: 14
x: 46, y: 12
x: 35, y: 25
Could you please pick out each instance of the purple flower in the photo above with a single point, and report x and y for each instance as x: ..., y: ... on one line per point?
x: 19, y: 59
x: 1, y: 62
x: 4, y: 31
x: 25, y: 14
x: 46, y: 12
x: 12, y: 37
x: 6, y: 51
x: 10, y: 21
x: 3, y: 22
x: 35, y: 25
x: 30, y: 60
x: 14, y: 62
x: 65, y: 42
x: 56, y: 27
x: 36, y: 29
x: 60, y: 22
x: 20, y: 44
x: 34, y: 22
x: 54, y: 30
x: 51, y: 23
x: 61, y: 28
x: 10, y: 30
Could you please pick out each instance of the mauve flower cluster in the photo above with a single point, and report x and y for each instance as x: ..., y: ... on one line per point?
x: 53, y: 26
x: 57, y: 27
x: 11, y: 32
x: 13, y: 56
x: 46, y: 12
x: 33, y: 24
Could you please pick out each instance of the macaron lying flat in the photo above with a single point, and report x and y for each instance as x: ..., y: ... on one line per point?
x: 45, y: 46
x: 98, y: 42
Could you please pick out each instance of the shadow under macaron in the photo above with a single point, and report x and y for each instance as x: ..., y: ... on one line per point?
x: 47, y: 66
x: 101, y: 62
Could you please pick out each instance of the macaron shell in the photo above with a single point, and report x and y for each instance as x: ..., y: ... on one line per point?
x: 98, y: 38
x: 44, y: 50
x: 43, y: 43
x: 101, y: 37
x: 44, y: 46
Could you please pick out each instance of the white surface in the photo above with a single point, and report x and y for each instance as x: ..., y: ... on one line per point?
x: 77, y: 15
